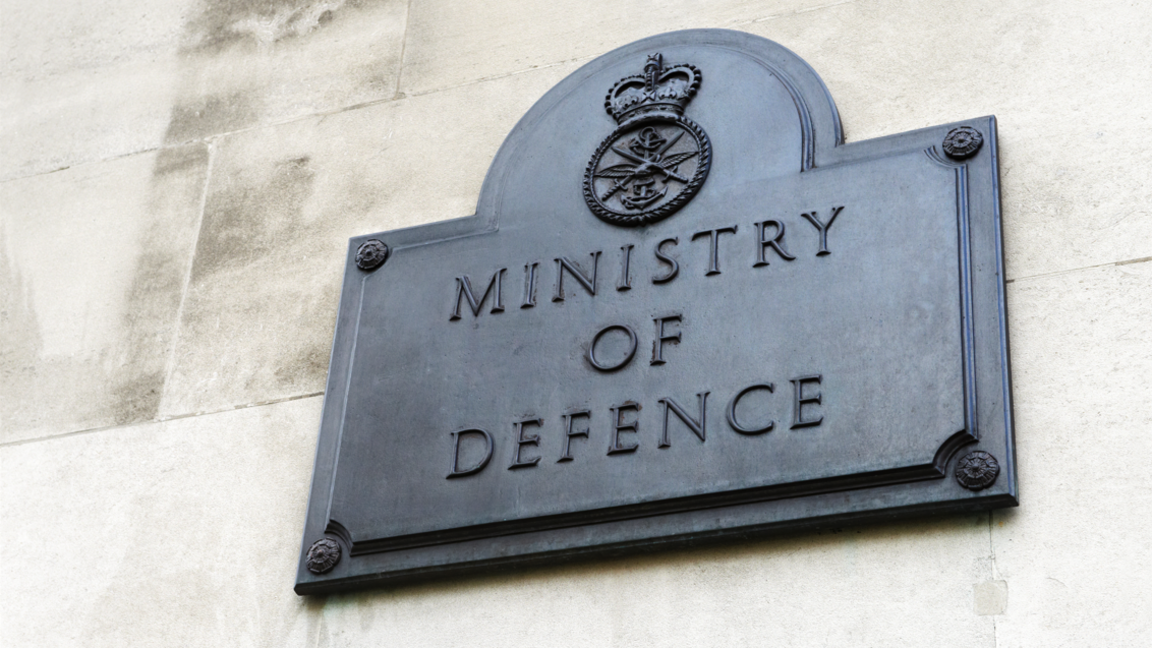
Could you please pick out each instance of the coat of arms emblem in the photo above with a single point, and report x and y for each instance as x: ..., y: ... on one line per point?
x: 656, y: 159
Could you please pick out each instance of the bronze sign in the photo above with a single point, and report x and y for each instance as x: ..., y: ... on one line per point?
x: 688, y: 337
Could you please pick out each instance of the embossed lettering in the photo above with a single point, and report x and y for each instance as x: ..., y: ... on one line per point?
x: 625, y: 268
x: 464, y: 291
x: 529, y: 284
x: 662, y: 336
x: 522, y: 441
x: 735, y: 425
x: 456, y: 471
x: 618, y: 426
x: 589, y: 282
x: 713, y: 250
x: 775, y: 242
x: 568, y: 433
x: 821, y: 227
x: 800, y: 400
x: 696, y: 425
x: 595, y: 362
x: 673, y: 265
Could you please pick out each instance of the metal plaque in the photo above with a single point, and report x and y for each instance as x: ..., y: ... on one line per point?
x: 684, y: 310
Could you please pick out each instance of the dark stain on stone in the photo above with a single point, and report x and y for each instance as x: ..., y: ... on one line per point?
x: 249, y: 25
x: 197, y: 117
x: 149, y: 322
x: 242, y: 293
x: 20, y: 346
x: 309, y: 365
x: 137, y: 398
x: 247, y: 217
x: 179, y: 159
x: 226, y: 23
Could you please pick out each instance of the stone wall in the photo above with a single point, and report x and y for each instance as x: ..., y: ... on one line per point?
x: 177, y: 186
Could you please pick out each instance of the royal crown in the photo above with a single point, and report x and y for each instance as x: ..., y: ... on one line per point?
x: 658, y: 90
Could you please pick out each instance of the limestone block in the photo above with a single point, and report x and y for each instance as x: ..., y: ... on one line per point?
x: 183, y: 533
x: 859, y: 587
x: 990, y: 597
x: 83, y: 81
x: 42, y: 40
x: 1065, y: 79
x: 82, y: 90
x: 93, y: 262
x: 186, y: 533
x: 449, y: 43
x: 83, y: 116
x: 1075, y: 554
x: 270, y: 60
x: 283, y: 202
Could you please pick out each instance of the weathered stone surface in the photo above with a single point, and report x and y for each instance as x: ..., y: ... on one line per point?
x: 181, y: 533
x: 265, y: 61
x: 79, y: 116
x: 990, y: 597
x: 86, y: 89
x: 84, y: 81
x: 93, y: 262
x: 450, y: 43
x: 1075, y: 554
x: 282, y: 203
x: 1067, y: 121
x: 186, y: 533
x: 41, y: 40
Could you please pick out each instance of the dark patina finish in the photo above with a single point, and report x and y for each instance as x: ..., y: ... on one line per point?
x: 323, y: 555
x: 977, y: 470
x: 687, y: 337
x: 962, y: 142
x: 371, y: 255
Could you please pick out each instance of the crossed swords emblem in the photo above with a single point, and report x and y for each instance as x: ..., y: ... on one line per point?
x: 647, y: 154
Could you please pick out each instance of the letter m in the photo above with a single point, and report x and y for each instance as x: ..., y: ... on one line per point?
x: 464, y: 292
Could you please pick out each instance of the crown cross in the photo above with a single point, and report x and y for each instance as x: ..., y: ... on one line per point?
x: 659, y: 89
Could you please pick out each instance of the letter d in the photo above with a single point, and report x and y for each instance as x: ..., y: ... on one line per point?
x: 456, y: 470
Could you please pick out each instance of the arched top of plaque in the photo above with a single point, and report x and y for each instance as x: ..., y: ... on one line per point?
x: 658, y: 126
